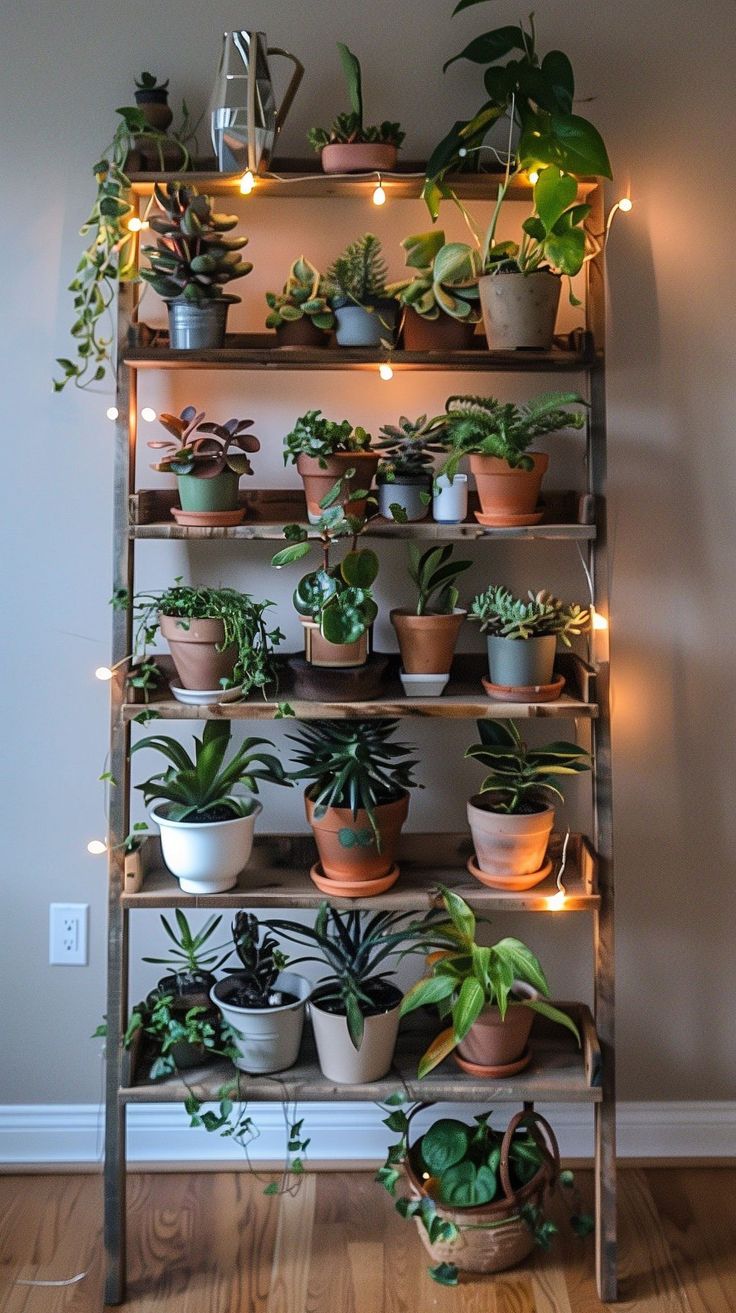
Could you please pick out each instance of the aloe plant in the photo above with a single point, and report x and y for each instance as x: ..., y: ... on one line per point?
x: 192, y: 257
x: 303, y: 297
x: 349, y: 127
x: 445, y: 280
x: 196, y: 787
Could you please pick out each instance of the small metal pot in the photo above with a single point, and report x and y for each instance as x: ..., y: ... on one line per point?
x: 195, y: 327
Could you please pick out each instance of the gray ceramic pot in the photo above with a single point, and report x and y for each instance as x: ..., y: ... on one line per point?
x: 521, y: 662
x: 195, y: 327
x: 359, y: 325
x: 407, y: 493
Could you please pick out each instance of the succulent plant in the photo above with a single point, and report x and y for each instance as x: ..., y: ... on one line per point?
x: 349, y: 127
x: 408, y: 447
x: 499, y: 612
x: 358, y: 276
x: 260, y: 962
x: 445, y: 281
x: 303, y: 295
x: 208, y: 456
x: 192, y: 258
x: 149, y: 82
x: 484, y: 426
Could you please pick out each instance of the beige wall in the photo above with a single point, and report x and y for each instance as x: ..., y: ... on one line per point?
x: 662, y: 74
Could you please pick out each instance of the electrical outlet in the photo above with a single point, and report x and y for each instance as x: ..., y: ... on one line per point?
x: 68, y: 923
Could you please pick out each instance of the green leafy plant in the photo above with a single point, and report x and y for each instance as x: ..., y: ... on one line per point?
x: 149, y: 82
x: 314, y: 435
x: 232, y: 1121
x: 445, y: 280
x: 303, y: 297
x: 349, y: 127
x: 204, y: 457
x: 164, y: 1027
x: 433, y: 574
x: 243, y: 622
x: 467, y: 977
x: 356, y: 946
x: 199, y: 789
x: 192, y: 258
x: 484, y: 426
x: 408, y: 447
x: 352, y: 763
x: 192, y: 954
x: 499, y: 612
x: 358, y: 276
x: 521, y: 777
x: 261, y: 960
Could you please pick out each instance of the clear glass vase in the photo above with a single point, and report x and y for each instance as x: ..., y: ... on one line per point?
x: 243, y: 117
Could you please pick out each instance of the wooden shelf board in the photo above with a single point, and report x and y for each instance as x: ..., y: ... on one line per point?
x: 277, y: 876
x: 271, y: 357
x: 559, y: 1072
x: 268, y: 510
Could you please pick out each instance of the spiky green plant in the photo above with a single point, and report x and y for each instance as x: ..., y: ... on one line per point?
x: 358, y: 275
x: 484, y: 426
x: 519, y: 774
x: 196, y: 787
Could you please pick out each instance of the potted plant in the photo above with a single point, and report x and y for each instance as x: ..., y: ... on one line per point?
x: 512, y: 816
x: 207, y: 470
x: 192, y: 962
x: 441, y: 298
x: 174, y: 1039
x: 206, y: 830
x: 152, y: 98
x: 496, y: 437
x: 522, y: 636
x: 489, y: 995
x: 428, y: 634
x: 350, y: 146
x: 325, y: 450
x: 355, y: 1009
x: 478, y: 1197
x: 357, y: 800
x: 191, y: 263
x: 405, y: 472
x: 356, y: 283
x: 217, y: 637
x: 261, y: 1002
x: 301, y: 314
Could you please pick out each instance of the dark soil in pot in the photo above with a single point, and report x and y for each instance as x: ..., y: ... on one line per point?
x: 384, y: 996
x: 238, y: 993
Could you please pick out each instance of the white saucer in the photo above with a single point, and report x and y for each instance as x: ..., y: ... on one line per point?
x: 195, y: 697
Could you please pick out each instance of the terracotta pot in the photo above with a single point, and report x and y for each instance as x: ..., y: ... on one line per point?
x: 491, y: 1042
x: 441, y: 334
x: 347, y: 847
x: 155, y: 108
x: 427, y: 642
x: 358, y: 157
x: 194, y: 648
x: 338, y: 1059
x: 301, y: 332
x: 320, y: 652
x: 506, y: 493
x: 520, y: 310
x: 521, y: 662
x: 318, y: 481
x: 508, y: 845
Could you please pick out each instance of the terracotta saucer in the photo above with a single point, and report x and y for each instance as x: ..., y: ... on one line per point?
x: 525, y: 693
x: 508, y: 521
x: 493, y: 1073
x: 352, y: 888
x: 512, y: 883
x: 208, y: 519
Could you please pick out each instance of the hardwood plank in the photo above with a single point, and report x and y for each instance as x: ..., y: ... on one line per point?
x: 361, y: 358
x: 292, y: 1250
x: 698, y: 1218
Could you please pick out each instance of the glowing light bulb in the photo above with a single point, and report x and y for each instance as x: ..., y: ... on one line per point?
x: 135, y: 224
x: 386, y: 372
x: 96, y: 847
x: 463, y: 152
x: 533, y: 176
x: 112, y: 412
x: 148, y: 414
x: 625, y: 204
x: 247, y: 183
x: 104, y: 673
x: 556, y: 902
x: 599, y: 621
x: 379, y: 196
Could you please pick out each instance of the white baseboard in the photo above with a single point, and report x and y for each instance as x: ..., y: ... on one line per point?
x: 36, y: 1134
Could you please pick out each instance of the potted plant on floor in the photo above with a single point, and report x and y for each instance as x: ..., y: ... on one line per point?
x: 357, y: 800
x: 496, y: 437
x: 441, y: 298
x: 191, y: 263
x: 522, y: 638
x: 207, y: 468
x: 355, y: 1009
x: 356, y: 289
x: 325, y: 450
x: 405, y: 473
x: 427, y: 635
x: 512, y: 816
x: 262, y: 1003
x: 206, y: 830
x: 300, y: 313
x: 489, y: 995
x: 218, y: 638
x: 350, y: 146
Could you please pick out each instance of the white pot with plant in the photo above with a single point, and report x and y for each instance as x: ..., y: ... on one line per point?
x: 356, y: 281
x: 522, y: 636
x: 407, y: 464
x: 206, y: 829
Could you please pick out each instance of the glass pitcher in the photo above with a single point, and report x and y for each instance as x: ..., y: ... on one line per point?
x: 243, y: 117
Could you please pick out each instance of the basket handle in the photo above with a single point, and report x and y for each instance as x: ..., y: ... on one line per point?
x: 543, y: 1136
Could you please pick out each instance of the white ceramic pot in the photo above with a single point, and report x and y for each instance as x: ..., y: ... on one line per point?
x: 267, y: 1039
x: 342, y: 1063
x: 508, y: 845
x: 450, y: 500
x: 406, y: 495
x: 206, y: 858
x: 423, y: 686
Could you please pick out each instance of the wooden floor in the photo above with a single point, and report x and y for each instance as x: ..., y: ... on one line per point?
x: 212, y: 1243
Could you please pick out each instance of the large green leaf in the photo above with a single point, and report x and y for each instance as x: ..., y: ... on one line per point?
x: 554, y: 191
x: 425, y: 992
x: 444, y: 1144
x: 567, y: 140
x: 468, y: 1008
x: 351, y: 69
x: 557, y: 72
x: 566, y: 251
x: 490, y: 46
x: 360, y: 568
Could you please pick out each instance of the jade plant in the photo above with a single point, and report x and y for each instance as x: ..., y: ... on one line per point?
x: 349, y: 127
x: 445, y: 278
x: 209, y: 455
x: 484, y: 426
x: 520, y: 777
x: 358, y: 275
x: 192, y: 258
x: 498, y: 612
x: 303, y: 297
x: 433, y: 574
x: 316, y: 436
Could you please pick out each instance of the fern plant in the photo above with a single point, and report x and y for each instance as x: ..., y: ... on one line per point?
x: 484, y: 426
x: 358, y: 276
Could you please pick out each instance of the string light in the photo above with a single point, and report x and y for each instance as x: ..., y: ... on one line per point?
x: 112, y: 412
x: 599, y: 621
x: 247, y: 183
x: 148, y: 414
x: 533, y: 177
x: 96, y: 847
x: 135, y: 225
x: 625, y: 204
x: 104, y: 673
x: 385, y: 371
x: 556, y: 902
x: 379, y: 195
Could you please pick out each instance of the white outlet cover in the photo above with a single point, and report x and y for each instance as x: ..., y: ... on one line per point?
x: 68, y: 934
